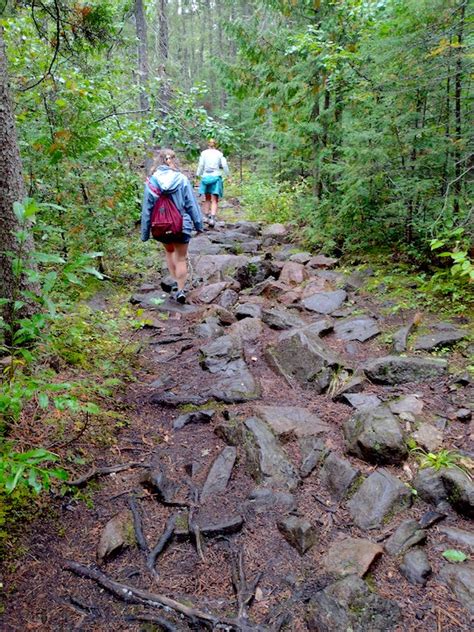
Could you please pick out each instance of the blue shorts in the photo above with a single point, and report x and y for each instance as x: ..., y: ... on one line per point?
x: 211, y: 185
x: 177, y: 238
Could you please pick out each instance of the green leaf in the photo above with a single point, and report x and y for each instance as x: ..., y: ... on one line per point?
x: 73, y: 278
x: 453, y: 555
x: 45, y: 257
x: 93, y: 271
x: 43, y: 400
x: 59, y: 473
x: 34, y: 482
x: 12, y: 480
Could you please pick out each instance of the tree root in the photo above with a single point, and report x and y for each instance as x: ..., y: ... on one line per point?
x: 165, y: 624
x: 101, y: 471
x: 244, y: 590
x: 138, y: 525
x: 162, y: 542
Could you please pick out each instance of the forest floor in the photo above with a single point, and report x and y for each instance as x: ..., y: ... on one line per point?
x: 268, y: 515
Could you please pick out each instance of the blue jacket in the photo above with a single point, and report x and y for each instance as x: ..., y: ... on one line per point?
x: 182, y: 194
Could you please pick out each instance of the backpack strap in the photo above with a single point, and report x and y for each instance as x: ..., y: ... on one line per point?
x: 155, y: 190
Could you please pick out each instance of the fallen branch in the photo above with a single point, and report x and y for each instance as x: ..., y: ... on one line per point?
x: 133, y: 595
x: 163, y: 623
x: 102, y: 471
x: 162, y: 542
x: 195, y: 530
x: 138, y: 525
x: 244, y: 590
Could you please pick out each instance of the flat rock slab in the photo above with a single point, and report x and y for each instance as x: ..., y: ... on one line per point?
x: 380, y: 496
x: 375, y: 435
x: 302, y: 357
x: 325, y: 302
x: 298, y: 532
x: 360, y: 329
x: 460, y: 578
x: 337, y: 475
x: 429, y: 437
x: 235, y: 384
x: 219, y: 474
x: 313, y: 450
x: 407, y: 404
x: 459, y: 536
x: 285, y: 420
x: 361, y: 400
x: 407, y: 534
x: 263, y: 499
x: 353, y: 556
x: 348, y: 604
x: 267, y: 460
x: 117, y: 534
x: 194, y: 417
x: 248, y: 310
x: 159, y: 303
x: 209, y: 293
x: 215, y: 268
x: 416, y: 566
x: 432, y: 341
x: 247, y: 330
x: 398, y: 370
x: 281, y: 319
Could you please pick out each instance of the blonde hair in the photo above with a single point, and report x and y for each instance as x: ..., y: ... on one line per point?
x: 212, y: 143
x: 162, y: 156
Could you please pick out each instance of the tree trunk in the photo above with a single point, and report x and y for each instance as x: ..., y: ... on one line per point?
x: 163, y: 46
x: 12, y: 189
x: 457, y: 112
x: 143, y: 68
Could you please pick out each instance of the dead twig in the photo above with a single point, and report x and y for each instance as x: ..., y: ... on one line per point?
x: 138, y: 524
x: 162, y: 542
x: 244, y: 590
x: 133, y: 595
x: 163, y: 623
x: 102, y: 471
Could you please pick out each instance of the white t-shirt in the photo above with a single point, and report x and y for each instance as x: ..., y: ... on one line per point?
x: 212, y: 163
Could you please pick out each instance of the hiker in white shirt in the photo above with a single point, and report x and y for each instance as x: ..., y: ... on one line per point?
x: 212, y: 165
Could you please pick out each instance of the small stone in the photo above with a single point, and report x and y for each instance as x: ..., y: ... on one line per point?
x: 248, y: 310
x: 431, y: 518
x: 405, y: 536
x: 352, y: 556
x: 209, y: 293
x: 460, y: 578
x: 407, y: 404
x: 313, y: 450
x: 281, y: 319
x: 246, y: 330
x: 353, y: 384
x: 325, y: 302
x: 360, y: 400
x: 361, y: 329
x: 286, y: 420
x: 117, y: 534
x: 194, y: 417
x: 463, y: 415
x: 235, y: 384
x: 337, y: 475
x: 416, y: 566
x: 432, y: 341
x: 219, y: 474
x: 228, y: 298
x: 321, y: 261
x: 299, y: 533
x: 459, y: 536
x: 428, y: 437
x: 293, y: 273
x: 261, y: 499
x: 301, y: 257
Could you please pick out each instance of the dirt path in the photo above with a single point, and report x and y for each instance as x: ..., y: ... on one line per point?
x: 270, y: 505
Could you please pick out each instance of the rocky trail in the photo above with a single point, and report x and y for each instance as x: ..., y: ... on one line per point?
x: 267, y: 483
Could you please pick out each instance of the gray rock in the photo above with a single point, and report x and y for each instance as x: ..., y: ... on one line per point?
x: 157, y: 477
x: 194, y: 417
x: 219, y: 474
x: 464, y: 415
x: 320, y: 327
x: 400, y: 337
x: 281, y: 319
x: 416, y: 566
x: 356, y: 280
x: 361, y: 400
x: 117, y: 534
x: 447, y: 484
x: 360, y: 329
x: 215, y: 268
x: 351, y: 556
x: 298, y: 532
x: 429, y: 437
x: 353, y: 384
x: 247, y: 227
x: 398, y: 370
x: 262, y: 499
x: 460, y: 579
x: 321, y: 261
x: 440, y: 339
x: 235, y: 384
x: 459, y: 536
x: 301, y: 257
x: 209, y: 328
x: 225, y: 526
x: 407, y: 404
x: 209, y: 293
x: 313, y: 450
x: 407, y: 534
x: 276, y: 231
x: 247, y: 330
x: 266, y: 459
x: 429, y: 486
x: 380, y: 496
x: 375, y: 435
x: 219, y: 352
x: 302, y: 357
x: 325, y: 302
x: 180, y: 398
x: 232, y: 431
x: 337, y: 475
x: 223, y: 315
x: 431, y: 518
x: 284, y: 420
x: 228, y: 298
x: 202, y: 245
x: 348, y: 605
x: 248, y: 310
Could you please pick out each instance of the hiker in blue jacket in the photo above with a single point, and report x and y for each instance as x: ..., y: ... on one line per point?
x: 167, y: 178
x: 212, y: 165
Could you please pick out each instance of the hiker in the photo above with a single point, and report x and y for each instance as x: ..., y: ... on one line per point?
x: 167, y: 185
x: 211, y: 165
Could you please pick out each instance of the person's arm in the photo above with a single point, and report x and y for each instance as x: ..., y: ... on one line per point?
x: 192, y: 207
x: 200, y: 168
x: 225, y: 166
x: 147, y: 208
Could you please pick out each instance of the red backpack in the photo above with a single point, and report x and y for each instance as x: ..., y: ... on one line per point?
x: 165, y: 217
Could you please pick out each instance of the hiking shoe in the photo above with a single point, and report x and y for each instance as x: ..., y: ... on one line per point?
x: 166, y: 286
x: 212, y: 222
x: 181, y: 296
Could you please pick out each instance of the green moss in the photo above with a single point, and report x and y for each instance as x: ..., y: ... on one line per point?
x: 355, y: 485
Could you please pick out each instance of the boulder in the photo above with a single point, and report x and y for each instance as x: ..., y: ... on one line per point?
x: 219, y: 474
x: 216, y: 268
x: 247, y: 330
x: 235, y: 384
x: 407, y: 534
x: 360, y: 329
x: 337, y: 475
x: 262, y: 499
x: 117, y: 534
x: 445, y: 338
x: 398, y: 370
x: 281, y: 319
x: 458, y: 536
x: 460, y: 579
x: 209, y: 293
x: 228, y: 298
x: 293, y: 273
x: 428, y: 437
x: 217, y: 354
x: 379, y: 497
x: 448, y: 484
x: 248, y: 310
x: 313, y: 450
x: 325, y: 302
x: 348, y: 604
x: 351, y: 556
x: 416, y: 566
x: 267, y: 461
x: 298, y: 532
x: 291, y: 420
x: 302, y: 357
x: 194, y: 417
x: 375, y: 435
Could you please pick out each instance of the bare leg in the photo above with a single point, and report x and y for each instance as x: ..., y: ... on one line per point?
x: 214, y: 203
x: 206, y: 205
x: 170, y: 259
x: 181, y: 265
